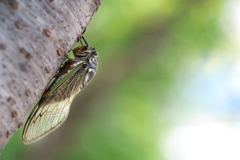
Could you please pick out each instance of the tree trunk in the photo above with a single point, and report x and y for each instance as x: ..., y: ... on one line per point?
x: 35, y: 37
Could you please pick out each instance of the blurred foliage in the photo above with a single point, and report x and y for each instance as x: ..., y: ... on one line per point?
x: 144, y: 46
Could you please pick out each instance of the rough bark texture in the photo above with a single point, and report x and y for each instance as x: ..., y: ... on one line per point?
x: 35, y: 37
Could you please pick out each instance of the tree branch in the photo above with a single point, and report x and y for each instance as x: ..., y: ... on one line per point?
x: 34, y: 35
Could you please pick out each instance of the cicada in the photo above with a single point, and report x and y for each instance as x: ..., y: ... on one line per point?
x: 52, y: 108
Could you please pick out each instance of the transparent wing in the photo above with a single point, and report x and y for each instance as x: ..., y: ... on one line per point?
x: 52, y: 110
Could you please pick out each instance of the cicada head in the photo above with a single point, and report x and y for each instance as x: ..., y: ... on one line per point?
x: 87, y: 54
x: 84, y: 52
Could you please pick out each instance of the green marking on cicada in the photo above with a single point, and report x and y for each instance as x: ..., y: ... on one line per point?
x: 52, y: 108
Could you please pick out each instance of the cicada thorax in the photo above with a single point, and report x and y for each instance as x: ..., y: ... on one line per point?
x: 90, y: 58
x: 83, y: 65
x: 85, y: 56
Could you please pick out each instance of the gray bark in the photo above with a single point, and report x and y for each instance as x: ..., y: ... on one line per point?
x: 35, y: 37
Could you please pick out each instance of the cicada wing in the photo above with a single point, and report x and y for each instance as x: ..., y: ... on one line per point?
x: 44, y: 121
x: 50, y: 113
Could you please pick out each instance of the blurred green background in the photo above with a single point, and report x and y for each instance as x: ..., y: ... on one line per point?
x: 167, y: 86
